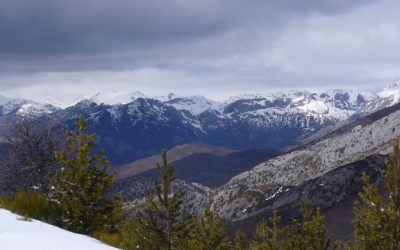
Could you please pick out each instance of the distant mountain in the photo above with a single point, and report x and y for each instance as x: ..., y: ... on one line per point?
x: 327, y: 170
x: 15, y: 109
x: 132, y: 126
x: 22, y: 107
x: 144, y: 126
x: 259, y: 189
x: 194, y: 104
x: 114, y: 98
x: 389, y: 96
x: 132, y: 131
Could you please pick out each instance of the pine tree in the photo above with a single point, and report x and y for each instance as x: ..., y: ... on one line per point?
x: 241, y: 243
x: 82, y: 188
x: 377, y: 219
x: 208, y: 232
x: 162, y: 225
x: 269, y: 233
x: 307, y: 234
x: 310, y: 233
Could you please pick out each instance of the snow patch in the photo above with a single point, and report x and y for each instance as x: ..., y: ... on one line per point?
x: 18, y: 233
x: 113, y: 98
x: 194, y: 104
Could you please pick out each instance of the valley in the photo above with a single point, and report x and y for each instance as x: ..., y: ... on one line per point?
x: 322, y: 143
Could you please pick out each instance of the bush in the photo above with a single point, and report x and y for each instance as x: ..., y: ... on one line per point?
x: 377, y: 213
x: 31, y: 204
x: 123, y: 238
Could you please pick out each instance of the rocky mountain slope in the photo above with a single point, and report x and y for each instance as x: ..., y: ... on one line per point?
x: 22, y: 107
x: 144, y: 126
x: 328, y: 170
x: 134, y: 126
x: 372, y: 135
x: 389, y: 96
x: 333, y: 192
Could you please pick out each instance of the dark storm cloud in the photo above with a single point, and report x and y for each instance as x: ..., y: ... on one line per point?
x: 80, y: 27
x: 72, y: 31
x: 63, y: 48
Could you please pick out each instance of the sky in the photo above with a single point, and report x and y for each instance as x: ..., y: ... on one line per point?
x: 64, y: 50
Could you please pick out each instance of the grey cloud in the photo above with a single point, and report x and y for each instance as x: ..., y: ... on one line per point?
x: 85, y: 27
x: 218, y: 44
x: 74, y: 27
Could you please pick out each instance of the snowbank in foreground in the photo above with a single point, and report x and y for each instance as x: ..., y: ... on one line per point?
x: 17, y: 234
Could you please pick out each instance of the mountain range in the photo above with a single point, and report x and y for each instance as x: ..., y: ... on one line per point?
x: 327, y: 170
x: 314, y: 145
x: 134, y: 126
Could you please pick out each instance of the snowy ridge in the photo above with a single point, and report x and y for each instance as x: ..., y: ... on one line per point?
x: 271, y: 120
x: 5, y: 100
x: 332, y: 104
x: 32, y: 108
x: 337, y: 104
x: 261, y: 120
x: 328, y: 106
x: 392, y: 89
x: 24, y: 107
x: 302, y: 165
x: 18, y: 233
x: 194, y: 104
x: 113, y: 98
x: 389, y: 96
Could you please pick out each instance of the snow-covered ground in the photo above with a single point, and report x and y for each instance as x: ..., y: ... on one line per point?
x: 19, y: 234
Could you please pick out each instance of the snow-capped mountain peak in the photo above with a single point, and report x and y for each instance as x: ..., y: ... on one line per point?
x: 389, y: 96
x: 24, y: 107
x: 4, y: 100
x: 272, y: 96
x: 334, y: 104
x: 113, y: 98
x: 393, y: 89
x: 194, y: 104
x: 373, y: 136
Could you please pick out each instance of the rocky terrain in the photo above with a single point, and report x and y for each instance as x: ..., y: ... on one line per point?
x: 145, y: 125
x: 333, y: 192
x: 135, y: 126
x: 346, y: 134
x: 365, y: 138
x: 327, y: 170
x: 10, y: 107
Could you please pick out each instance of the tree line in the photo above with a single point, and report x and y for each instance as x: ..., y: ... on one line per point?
x: 68, y: 184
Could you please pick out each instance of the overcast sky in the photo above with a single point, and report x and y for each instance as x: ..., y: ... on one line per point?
x: 66, y: 49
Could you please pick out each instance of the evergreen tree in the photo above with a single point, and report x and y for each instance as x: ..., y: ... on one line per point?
x: 241, y: 243
x: 82, y: 188
x: 268, y: 235
x: 377, y: 219
x: 208, y: 232
x: 310, y: 233
x: 307, y: 234
x: 161, y: 225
